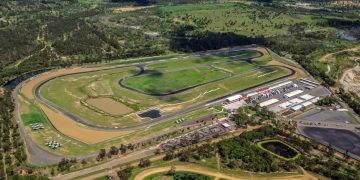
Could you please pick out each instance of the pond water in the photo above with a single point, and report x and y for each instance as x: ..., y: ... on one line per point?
x: 155, y: 113
x: 279, y: 148
x: 347, y: 36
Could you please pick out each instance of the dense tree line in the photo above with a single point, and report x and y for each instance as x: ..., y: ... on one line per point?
x: 244, y: 117
x: 326, y: 101
x: 351, y: 99
x: 192, y: 153
x: 13, y: 155
x: 187, y: 38
x: 189, y: 176
x: 40, y: 38
x: 240, y: 152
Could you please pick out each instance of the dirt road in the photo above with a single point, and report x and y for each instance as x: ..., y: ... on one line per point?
x: 330, y: 56
x: 218, y: 175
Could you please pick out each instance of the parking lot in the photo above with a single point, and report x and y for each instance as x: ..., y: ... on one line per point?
x: 331, y: 116
x: 287, y: 97
x: 205, y: 133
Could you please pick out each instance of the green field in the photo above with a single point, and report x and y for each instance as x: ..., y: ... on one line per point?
x: 167, y: 82
x: 236, y: 66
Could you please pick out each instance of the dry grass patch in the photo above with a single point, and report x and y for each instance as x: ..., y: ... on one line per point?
x: 109, y: 105
x: 130, y: 8
x: 77, y: 131
x: 27, y: 88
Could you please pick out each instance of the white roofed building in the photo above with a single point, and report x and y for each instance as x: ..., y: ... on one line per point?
x: 307, y: 103
x: 285, y: 105
x: 296, y: 108
x: 296, y: 101
x: 306, y: 97
x: 268, y: 102
x: 234, y: 98
x: 293, y: 93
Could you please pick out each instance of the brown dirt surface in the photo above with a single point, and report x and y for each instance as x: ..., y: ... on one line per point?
x: 76, y: 131
x: 27, y: 88
x: 261, y: 49
x: 299, y: 72
x: 218, y: 175
x: 346, y: 3
x: 24, y: 108
x: 350, y: 80
x: 110, y: 106
x: 130, y: 8
x: 1, y: 91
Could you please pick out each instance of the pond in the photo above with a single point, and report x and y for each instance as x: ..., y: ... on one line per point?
x: 346, y: 36
x: 152, y: 114
x: 279, y: 149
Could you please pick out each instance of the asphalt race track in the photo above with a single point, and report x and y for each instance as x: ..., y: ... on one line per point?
x: 162, y: 118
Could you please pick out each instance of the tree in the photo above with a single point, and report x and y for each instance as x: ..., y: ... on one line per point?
x: 172, y: 171
x: 123, y: 148
x: 114, y: 150
x: 144, y: 163
x: 169, y: 156
x: 101, y: 154
x: 64, y: 165
x: 125, y: 173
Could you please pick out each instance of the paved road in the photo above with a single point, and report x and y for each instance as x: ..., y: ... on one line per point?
x: 162, y: 118
x: 37, y: 155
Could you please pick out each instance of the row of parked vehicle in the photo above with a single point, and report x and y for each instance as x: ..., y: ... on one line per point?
x: 180, y: 120
x: 274, y: 92
x: 37, y: 126
x: 53, y: 144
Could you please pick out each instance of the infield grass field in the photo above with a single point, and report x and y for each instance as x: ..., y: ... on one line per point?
x: 167, y: 82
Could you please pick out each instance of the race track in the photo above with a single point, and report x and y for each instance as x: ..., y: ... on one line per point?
x: 142, y: 71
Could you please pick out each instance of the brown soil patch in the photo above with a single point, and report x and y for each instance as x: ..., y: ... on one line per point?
x: 261, y: 49
x: 77, y: 131
x: 28, y: 87
x: 1, y: 91
x: 346, y: 3
x: 130, y: 8
x: 350, y: 80
x: 24, y: 108
x: 299, y: 72
x: 110, y: 106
